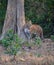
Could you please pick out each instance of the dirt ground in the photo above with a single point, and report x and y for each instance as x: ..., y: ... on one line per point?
x: 42, y: 55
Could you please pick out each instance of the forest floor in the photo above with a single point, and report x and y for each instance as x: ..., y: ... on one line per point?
x: 43, y: 55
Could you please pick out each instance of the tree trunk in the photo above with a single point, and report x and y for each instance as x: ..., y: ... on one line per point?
x: 20, y: 18
x: 15, y: 18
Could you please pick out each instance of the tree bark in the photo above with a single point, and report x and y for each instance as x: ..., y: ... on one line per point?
x: 20, y: 18
x: 15, y: 18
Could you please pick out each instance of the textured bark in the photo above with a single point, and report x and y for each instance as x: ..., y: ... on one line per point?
x: 15, y: 18
x: 20, y: 18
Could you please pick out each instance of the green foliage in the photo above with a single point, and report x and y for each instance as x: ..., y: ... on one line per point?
x: 11, y: 42
x: 3, y: 6
x: 37, y: 40
x: 52, y: 37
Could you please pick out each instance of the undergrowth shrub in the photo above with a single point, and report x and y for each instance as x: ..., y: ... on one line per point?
x: 37, y: 41
x: 11, y: 42
x: 52, y: 37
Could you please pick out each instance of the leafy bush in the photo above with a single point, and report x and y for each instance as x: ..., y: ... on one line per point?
x: 37, y: 40
x: 11, y: 42
x: 52, y: 37
x: 3, y: 6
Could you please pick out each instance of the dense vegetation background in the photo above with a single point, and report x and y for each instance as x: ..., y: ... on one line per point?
x: 38, y: 11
